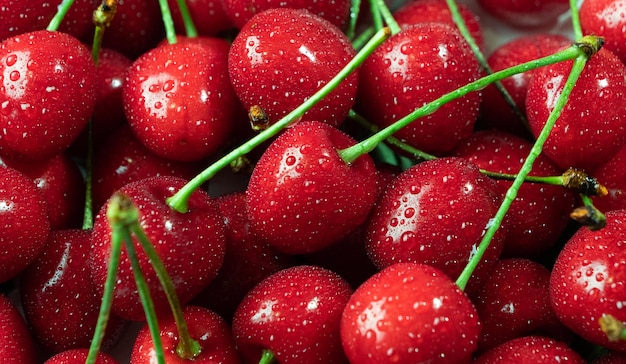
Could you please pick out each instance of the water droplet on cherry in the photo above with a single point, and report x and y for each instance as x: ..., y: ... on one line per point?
x: 11, y: 60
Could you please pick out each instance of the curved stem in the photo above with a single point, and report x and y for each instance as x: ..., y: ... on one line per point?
x: 577, y: 29
x: 168, y: 22
x: 179, y: 200
x: 388, y: 17
x: 190, y: 27
x: 60, y: 15
x: 495, y: 222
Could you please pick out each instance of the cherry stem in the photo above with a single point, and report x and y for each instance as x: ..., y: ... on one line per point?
x: 350, y: 154
x: 179, y: 200
x: 614, y: 329
x: 102, y: 17
x: 267, y: 357
x: 190, y: 27
x: 62, y: 10
x: 363, y: 38
x: 168, y: 22
x: 588, y: 215
x: 355, y: 8
x: 576, y: 27
x: 387, y: 16
x: 494, y: 223
x: 377, y: 18
x: 187, y: 347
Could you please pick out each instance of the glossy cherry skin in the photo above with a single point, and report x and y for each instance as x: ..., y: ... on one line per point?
x: 24, y: 221
x: 275, y: 64
x: 406, y: 72
x: 525, y: 13
x: 191, y: 246
x: 47, y: 93
x: 302, y: 197
x: 206, y: 327
x: 606, y: 18
x: 209, y: 17
x: 178, y: 99
x: 612, y: 175
x: 531, y: 349
x: 241, y: 11
x: 295, y: 313
x: 16, y: 344
x: 590, y: 129
x: 447, y: 193
x: 589, y: 277
x: 58, y: 297
x: 495, y: 112
x: 540, y: 213
x: 79, y: 356
x: 409, y: 313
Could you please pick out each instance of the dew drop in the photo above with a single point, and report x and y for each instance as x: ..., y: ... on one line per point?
x: 415, y: 189
x: 409, y: 212
x: 11, y: 59
x: 153, y: 88
x: 589, y: 272
x: 14, y: 76
x: 393, y: 222
x: 168, y: 85
x: 290, y: 161
x: 158, y: 105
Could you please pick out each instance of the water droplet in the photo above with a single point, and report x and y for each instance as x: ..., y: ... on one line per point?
x: 409, y: 212
x: 290, y: 161
x: 158, y: 105
x: 168, y: 85
x: 393, y: 222
x: 589, y: 272
x: 415, y: 189
x: 15, y: 75
x: 153, y: 88
x: 599, y: 277
x: 11, y: 59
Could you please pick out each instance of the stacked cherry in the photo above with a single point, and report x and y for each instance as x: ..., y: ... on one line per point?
x: 294, y: 182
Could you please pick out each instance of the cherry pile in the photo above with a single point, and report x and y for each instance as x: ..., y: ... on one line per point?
x: 322, y: 181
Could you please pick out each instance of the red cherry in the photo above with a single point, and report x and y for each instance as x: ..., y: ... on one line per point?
x: 612, y: 175
x: 47, y: 93
x: 525, y: 13
x: 206, y: 327
x: 24, y: 221
x: 16, y: 344
x: 191, y: 246
x: 531, y: 349
x: 447, y: 193
x: 407, y: 71
x: 302, y: 197
x: 79, y: 356
x: 295, y: 313
x: 409, y: 313
x: 588, y: 280
x: 276, y: 64
x: 178, y: 99
x: 209, y: 17
x: 591, y: 128
x: 606, y: 18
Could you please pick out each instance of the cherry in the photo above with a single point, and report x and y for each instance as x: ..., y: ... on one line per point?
x: 409, y: 313
x: 525, y: 13
x: 205, y: 326
x: 209, y: 17
x: 608, y: 19
x: 587, y: 280
x: 449, y: 193
x: 240, y: 12
x: 275, y: 64
x: 540, y: 213
x: 24, y: 221
x: 302, y: 197
x: 612, y: 174
x: 16, y: 343
x: 294, y: 313
x: 590, y: 128
x: 190, y: 244
x: 495, y: 112
x: 78, y: 356
x: 178, y: 99
x: 530, y: 349
x: 47, y: 93
x: 405, y: 73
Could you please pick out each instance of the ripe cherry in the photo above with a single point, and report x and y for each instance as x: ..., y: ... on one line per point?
x: 531, y: 349
x: 525, y: 13
x: 606, y: 18
x: 16, y: 344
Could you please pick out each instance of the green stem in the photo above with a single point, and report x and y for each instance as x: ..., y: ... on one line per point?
x: 577, y: 29
x: 179, y: 200
x: 168, y: 22
x: 355, y: 8
x: 190, y: 27
x: 267, y: 357
x: 614, y: 329
x: 388, y: 17
x: 102, y: 17
x: 363, y: 38
x: 377, y: 18
x: 494, y: 224
x: 62, y: 10
x: 187, y: 347
x: 350, y: 154
x: 549, y: 180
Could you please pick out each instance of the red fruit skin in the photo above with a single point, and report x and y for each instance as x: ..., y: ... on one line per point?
x: 273, y: 63
x: 525, y: 13
x: 514, y: 302
x: 449, y: 193
x: 591, y: 128
x: 206, y: 327
x: 209, y: 17
x: 295, y: 313
x: 58, y: 297
x: 16, y: 344
x: 612, y: 357
x: 241, y: 11
x: 24, y: 221
x: 409, y: 313
x: 531, y: 349
x: 79, y: 356
x: 588, y: 280
x: 495, y: 112
x: 47, y: 93
x: 606, y: 18
x: 404, y: 74
x: 178, y: 99
x: 540, y: 213
x: 193, y: 239
x: 302, y: 197
x: 414, y: 12
x: 612, y: 175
